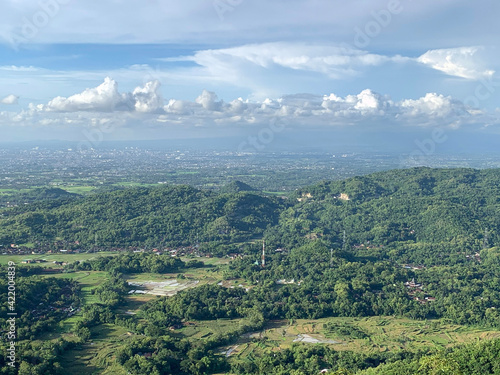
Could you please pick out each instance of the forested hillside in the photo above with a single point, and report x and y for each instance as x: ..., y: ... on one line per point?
x: 34, y: 195
x: 142, y: 217
x: 418, y: 215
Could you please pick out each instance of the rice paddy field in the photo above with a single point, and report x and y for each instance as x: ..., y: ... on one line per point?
x: 98, y: 355
x: 382, y: 334
x: 366, y: 335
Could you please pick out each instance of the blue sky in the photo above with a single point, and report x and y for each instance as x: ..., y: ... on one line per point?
x: 204, y: 68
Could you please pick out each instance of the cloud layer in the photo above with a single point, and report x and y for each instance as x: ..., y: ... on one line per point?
x: 271, y: 68
x: 144, y: 107
x: 461, y: 62
x: 330, y: 60
x: 256, y: 71
x: 199, y: 20
x: 147, y: 99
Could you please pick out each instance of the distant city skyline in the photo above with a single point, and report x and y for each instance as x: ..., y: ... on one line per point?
x: 387, y: 72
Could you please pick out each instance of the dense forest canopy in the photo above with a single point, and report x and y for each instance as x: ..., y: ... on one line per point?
x: 429, y: 209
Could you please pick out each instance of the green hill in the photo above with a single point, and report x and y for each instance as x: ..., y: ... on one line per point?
x: 416, y: 215
x: 236, y: 187
x: 439, y: 211
x: 35, y: 195
x: 142, y: 216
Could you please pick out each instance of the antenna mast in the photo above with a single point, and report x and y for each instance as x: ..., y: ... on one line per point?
x: 263, y: 253
x: 485, y: 239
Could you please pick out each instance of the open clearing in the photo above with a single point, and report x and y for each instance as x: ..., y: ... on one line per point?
x: 161, y: 288
x: 50, y: 258
x: 383, y: 334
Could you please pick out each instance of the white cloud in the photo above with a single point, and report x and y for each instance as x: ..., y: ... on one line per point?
x: 144, y: 106
x: 103, y: 98
x: 197, y: 21
x: 142, y: 111
x: 463, y: 62
x: 364, y: 105
x: 9, y: 99
x: 370, y: 101
x: 333, y: 61
x: 148, y: 98
x: 434, y: 105
x: 256, y: 71
x: 14, y: 68
x: 208, y: 100
x: 179, y: 107
x: 107, y: 98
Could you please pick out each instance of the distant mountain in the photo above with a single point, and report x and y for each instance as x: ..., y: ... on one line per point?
x: 49, y: 193
x: 36, y: 195
x: 236, y: 187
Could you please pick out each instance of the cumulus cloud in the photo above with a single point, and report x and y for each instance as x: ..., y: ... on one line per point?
x: 107, y: 98
x: 366, y: 104
x: 434, y: 105
x: 463, y: 62
x: 179, y: 107
x: 144, y: 107
x: 208, y: 100
x: 148, y: 98
x: 103, y: 98
x: 367, y: 100
x: 10, y: 99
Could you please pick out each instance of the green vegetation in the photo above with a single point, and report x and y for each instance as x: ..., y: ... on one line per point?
x: 141, y: 217
x: 51, y: 258
x: 361, y: 335
x: 26, y: 196
x: 411, y: 288
x: 133, y: 263
x: 424, y: 216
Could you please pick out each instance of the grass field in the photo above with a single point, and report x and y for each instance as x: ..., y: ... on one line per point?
x: 384, y: 334
x: 57, y: 257
x: 88, y: 280
x: 98, y: 355
x: 209, y: 261
x: 205, y: 329
x: 167, y: 284
x: 133, y: 184
x: 13, y: 191
x: 70, y: 258
x: 82, y: 190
